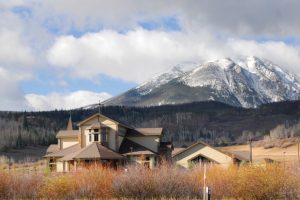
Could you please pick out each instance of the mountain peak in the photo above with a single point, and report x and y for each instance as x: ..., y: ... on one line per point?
x: 245, y: 81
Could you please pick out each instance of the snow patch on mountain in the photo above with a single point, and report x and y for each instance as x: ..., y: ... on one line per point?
x: 248, y: 76
x: 163, y: 78
x: 244, y: 81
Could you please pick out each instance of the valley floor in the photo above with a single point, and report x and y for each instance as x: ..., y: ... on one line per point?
x: 279, y: 154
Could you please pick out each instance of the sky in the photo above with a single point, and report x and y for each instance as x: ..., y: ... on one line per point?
x: 66, y: 54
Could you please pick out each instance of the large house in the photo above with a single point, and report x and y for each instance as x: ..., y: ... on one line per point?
x: 101, y: 139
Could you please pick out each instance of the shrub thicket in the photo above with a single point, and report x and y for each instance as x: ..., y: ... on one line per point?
x: 272, y: 181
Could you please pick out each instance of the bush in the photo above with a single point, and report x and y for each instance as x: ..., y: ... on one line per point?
x: 19, y: 186
x: 271, y: 181
x: 165, y: 181
x: 95, y: 182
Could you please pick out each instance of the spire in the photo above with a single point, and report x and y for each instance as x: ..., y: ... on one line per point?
x: 70, y: 124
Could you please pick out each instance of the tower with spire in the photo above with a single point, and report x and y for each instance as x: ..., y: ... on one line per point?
x: 70, y: 123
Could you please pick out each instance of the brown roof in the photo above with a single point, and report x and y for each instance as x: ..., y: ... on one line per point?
x: 196, y: 143
x: 67, y: 134
x: 52, y: 148
x: 71, y: 155
x: 96, y: 150
x: 177, y: 150
x: 136, y: 153
x: 144, y: 132
x: 128, y: 147
x: 64, y: 152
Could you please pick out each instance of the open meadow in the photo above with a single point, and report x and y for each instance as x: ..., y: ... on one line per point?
x: 280, y: 150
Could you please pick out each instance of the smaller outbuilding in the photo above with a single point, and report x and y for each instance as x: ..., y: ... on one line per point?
x: 201, y: 152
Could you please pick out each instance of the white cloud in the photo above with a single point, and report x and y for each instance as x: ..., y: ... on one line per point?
x: 64, y: 101
x: 134, y: 56
x: 287, y: 57
x: 139, y: 54
x: 12, y: 97
x: 253, y: 17
x: 13, y: 51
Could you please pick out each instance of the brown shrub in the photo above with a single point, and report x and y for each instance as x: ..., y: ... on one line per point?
x: 272, y: 181
x: 58, y: 187
x: 19, y: 186
x: 4, y: 184
x: 95, y: 182
x: 165, y: 181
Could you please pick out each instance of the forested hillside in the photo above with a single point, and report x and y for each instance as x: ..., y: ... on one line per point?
x: 216, y: 123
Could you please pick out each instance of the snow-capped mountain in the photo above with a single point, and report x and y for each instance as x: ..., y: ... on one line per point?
x: 246, y: 82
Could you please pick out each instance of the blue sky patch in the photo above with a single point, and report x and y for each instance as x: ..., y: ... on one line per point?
x: 47, y: 82
x: 22, y: 11
x: 166, y: 23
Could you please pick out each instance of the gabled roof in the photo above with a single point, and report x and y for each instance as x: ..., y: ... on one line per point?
x: 100, y: 115
x: 144, y: 132
x: 196, y: 143
x: 150, y: 131
x: 176, y: 151
x: 52, y: 148
x: 128, y: 147
x: 232, y: 155
x: 64, y: 152
x: 67, y: 134
x: 97, y: 151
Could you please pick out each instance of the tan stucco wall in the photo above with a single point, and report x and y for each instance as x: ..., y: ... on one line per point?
x: 67, y: 142
x: 184, y: 158
x: 151, y: 142
x: 112, y: 139
x: 111, y: 134
x: 59, y: 166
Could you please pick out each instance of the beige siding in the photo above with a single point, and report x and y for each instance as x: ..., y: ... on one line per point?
x: 111, y: 135
x: 185, y: 157
x: 151, y: 142
x: 59, y: 166
x: 112, y: 139
x: 67, y: 142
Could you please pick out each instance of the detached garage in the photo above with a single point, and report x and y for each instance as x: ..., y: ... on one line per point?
x: 201, y: 152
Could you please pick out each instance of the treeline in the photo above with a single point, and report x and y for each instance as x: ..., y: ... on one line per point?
x: 213, y: 122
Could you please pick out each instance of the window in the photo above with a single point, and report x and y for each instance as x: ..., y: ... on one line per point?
x: 103, y: 135
x: 96, y: 137
x: 90, y: 137
x: 96, y: 130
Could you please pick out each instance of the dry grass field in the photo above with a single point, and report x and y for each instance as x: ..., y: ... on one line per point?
x: 280, y: 153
